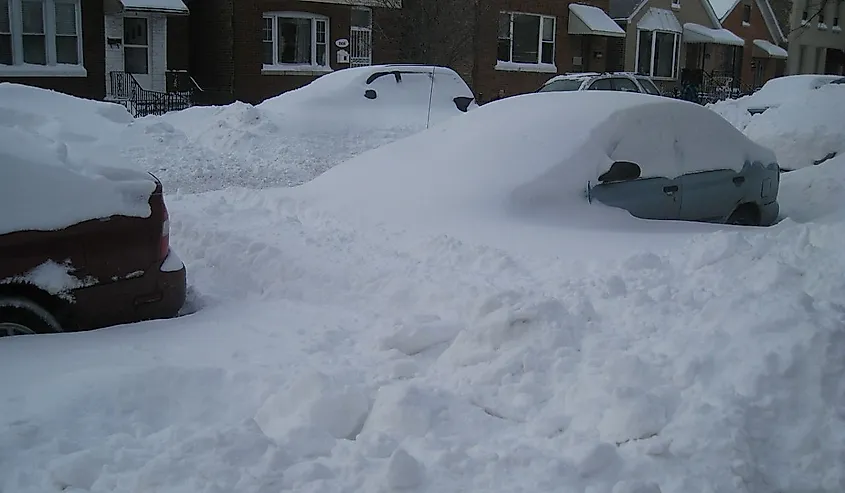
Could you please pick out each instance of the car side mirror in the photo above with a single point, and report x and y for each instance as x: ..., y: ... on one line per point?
x: 621, y: 171
x: 462, y: 103
x: 370, y: 94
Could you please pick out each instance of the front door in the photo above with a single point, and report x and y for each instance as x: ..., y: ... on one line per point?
x: 136, y: 49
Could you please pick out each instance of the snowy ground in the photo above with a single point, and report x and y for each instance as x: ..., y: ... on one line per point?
x: 330, y: 358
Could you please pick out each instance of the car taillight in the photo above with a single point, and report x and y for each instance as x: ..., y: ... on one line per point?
x: 165, y: 236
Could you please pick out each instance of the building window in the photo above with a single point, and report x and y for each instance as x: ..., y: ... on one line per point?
x: 37, y: 34
x: 676, y: 4
x: 746, y: 14
x: 657, y: 53
x: 294, y: 40
x: 526, y: 38
x: 136, y: 45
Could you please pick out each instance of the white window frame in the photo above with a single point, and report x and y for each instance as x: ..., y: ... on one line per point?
x: 147, y: 46
x: 51, y: 69
x: 675, y: 52
x: 538, y: 66
x: 277, y: 67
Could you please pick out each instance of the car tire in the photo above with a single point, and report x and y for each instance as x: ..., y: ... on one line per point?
x: 745, y: 215
x: 20, y: 316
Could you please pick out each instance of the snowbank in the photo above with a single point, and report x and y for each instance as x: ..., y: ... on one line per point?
x: 41, y: 188
x: 803, y: 131
x: 814, y: 193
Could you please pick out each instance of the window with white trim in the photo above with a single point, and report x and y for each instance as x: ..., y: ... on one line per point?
x: 40, y: 33
x: 657, y: 53
x: 526, y: 38
x: 295, y: 40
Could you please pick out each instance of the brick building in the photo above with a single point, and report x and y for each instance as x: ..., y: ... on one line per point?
x: 762, y: 57
x: 520, y: 44
x: 265, y: 47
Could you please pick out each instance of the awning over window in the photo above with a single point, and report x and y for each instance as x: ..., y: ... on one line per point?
x: 160, y: 6
x: 660, y: 20
x: 696, y: 33
x: 766, y: 49
x: 585, y: 19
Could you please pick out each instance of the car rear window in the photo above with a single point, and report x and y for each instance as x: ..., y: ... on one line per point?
x: 562, y: 85
x: 649, y: 86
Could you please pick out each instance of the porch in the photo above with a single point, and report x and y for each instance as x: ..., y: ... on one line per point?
x: 147, y: 56
x: 713, y: 62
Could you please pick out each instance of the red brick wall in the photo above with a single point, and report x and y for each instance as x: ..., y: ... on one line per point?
x: 757, y: 30
x: 489, y: 82
x: 178, y: 39
x: 94, y: 58
x: 211, y: 50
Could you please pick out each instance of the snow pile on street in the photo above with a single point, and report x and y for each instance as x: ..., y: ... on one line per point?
x: 338, y: 355
x: 42, y: 187
x: 802, y: 130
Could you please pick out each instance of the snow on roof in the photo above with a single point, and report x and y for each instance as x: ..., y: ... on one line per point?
x: 173, y: 6
x: 595, y: 20
x: 696, y: 33
x: 525, y: 156
x: 771, y: 49
x: 659, y: 20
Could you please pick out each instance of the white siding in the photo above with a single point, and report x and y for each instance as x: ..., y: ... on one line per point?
x: 114, y: 54
x: 158, y: 52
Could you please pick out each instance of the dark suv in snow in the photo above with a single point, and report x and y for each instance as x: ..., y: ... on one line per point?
x: 98, y: 272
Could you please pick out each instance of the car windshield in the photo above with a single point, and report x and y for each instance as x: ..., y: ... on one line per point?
x: 562, y: 85
x: 839, y: 81
x: 649, y: 86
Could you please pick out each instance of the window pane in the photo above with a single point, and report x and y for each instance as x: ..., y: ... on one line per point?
x: 321, y: 32
x: 321, y: 55
x: 33, y: 17
x: 268, y: 29
x: 362, y: 18
x: 5, y: 23
x: 267, y: 46
x: 294, y: 40
x: 67, y: 50
x: 625, y: 85
x: 663, y: 49
x: 503, y: 52
x: 66, y: 18
x: 648, y: 86
x: 504, y: 25
x: 5, y: 49
x: 135, y: 60
x: 644, y: 60
x: 135, y: 31
x: 34, y: 49
x: 601, y: 85
x: 548, y: 54
x: 548, y: 29
x: 526, y: 38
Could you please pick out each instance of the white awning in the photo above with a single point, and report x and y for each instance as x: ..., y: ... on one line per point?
x: 769, y: 49
x: 162, y: 6
x: 696, y: 33
x: 659, y: 20
x: 585, y: 19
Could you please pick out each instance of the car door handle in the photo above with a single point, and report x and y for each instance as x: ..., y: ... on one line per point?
x: 739, y: 180
x: 671, y: 189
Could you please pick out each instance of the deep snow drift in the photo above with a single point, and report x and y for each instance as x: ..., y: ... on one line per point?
x: 802, y: 130
x: 330, y: 357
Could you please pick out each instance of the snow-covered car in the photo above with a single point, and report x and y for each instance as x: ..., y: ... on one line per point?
x: 784, y: 89
x: 560, y: 159
x: 81, y: 247
x: 608, y: 81
x: 408, y: 91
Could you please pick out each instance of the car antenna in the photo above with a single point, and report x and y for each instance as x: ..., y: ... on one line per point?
x: 430, y: 95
